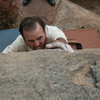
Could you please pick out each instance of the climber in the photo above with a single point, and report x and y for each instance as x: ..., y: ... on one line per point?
x: 35, y: 34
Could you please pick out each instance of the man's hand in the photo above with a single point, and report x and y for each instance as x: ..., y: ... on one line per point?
x: 58, y: 44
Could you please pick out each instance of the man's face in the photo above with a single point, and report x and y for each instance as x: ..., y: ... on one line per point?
x: 35, y: 39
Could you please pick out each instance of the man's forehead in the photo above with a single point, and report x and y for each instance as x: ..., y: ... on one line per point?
x: 39, y: 29
x: 38, y: 26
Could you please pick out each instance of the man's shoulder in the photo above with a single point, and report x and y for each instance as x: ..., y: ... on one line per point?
x: 49, y: 29
x: 50, y: 26
x: 19, y: 40
x: 20, y: 37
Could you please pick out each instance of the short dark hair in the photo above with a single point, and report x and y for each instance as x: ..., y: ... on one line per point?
x: 29, y: 23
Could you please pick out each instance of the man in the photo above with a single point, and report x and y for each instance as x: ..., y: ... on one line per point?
x: 35, y: 34
x: 51, y: 2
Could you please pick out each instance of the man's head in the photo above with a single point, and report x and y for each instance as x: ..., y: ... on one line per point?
x: 33, y: 31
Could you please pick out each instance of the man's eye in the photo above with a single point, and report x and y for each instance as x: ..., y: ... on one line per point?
x: 39, y: 38
x: 31, y: 41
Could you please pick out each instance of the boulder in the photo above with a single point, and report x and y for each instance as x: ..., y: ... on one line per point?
x: 50, y: 75
x: 66, y: 14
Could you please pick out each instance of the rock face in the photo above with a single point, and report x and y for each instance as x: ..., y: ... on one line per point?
x: 73, y: 16
x: 50, y: 75
x: 66, y: 14
x: 92, y: 5
x: 8, y: 14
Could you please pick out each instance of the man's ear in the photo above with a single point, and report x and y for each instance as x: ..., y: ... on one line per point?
x: 44, y: 31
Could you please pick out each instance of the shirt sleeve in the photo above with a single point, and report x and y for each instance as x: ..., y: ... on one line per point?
x: 17, y: 46
x: 54, y: 33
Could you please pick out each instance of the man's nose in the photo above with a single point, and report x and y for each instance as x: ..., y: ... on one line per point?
x: 37, y: 43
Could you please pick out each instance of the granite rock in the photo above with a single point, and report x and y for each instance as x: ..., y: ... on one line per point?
x: 50, y: 75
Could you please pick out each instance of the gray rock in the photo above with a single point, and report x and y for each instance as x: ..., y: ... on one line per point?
x: 98, y: 85
x: 48, y: 75
x: 66, y: 14
x: 96, y: 75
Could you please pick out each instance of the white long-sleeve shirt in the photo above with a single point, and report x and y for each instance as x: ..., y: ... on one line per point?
x: 52, y: 33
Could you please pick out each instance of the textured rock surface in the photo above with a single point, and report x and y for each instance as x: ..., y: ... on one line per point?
x: 50, y: 75
x: 66, y: 14
x: 92, y: 5
x: 96, y: 75
x: 72, y: 16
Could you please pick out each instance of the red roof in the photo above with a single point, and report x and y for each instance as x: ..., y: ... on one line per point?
x: 89, y: 38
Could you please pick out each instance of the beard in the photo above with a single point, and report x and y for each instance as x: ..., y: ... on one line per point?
x: 41, y: 46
